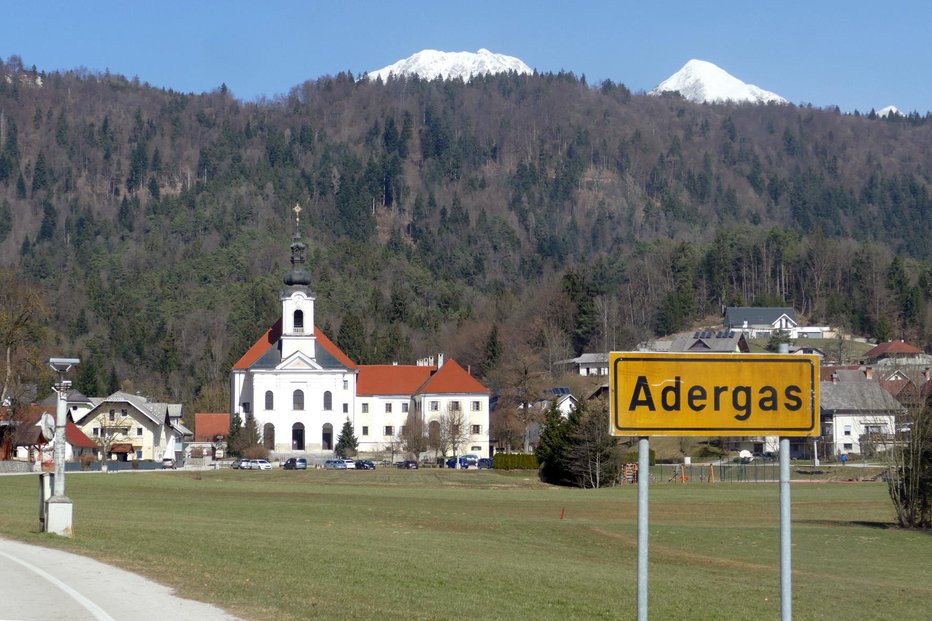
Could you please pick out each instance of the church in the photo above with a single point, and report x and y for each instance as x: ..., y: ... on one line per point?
x: 301, y: 388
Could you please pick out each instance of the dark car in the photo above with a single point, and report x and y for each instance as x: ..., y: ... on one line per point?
x: 484, y: 462
x: 408, y: 464
x: 451, y: 463
x: 365, y: 464
x: 295, y: 463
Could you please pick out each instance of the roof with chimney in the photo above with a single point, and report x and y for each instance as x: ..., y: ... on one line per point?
x: 892, y: 349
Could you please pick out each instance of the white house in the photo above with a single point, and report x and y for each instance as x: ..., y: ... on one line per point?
x: 854, y: 412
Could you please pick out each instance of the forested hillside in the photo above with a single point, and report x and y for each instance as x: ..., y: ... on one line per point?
x: 510, y: 221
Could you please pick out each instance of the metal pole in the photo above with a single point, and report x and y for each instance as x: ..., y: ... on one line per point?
x: 786, y: 566
x: 643, y: 480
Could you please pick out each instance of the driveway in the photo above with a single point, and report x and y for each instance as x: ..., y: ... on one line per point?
x: 42, y: 584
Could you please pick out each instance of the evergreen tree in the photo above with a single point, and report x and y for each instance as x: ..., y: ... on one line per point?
x: 347, y: 442
x: 87, y: 381
x: 553, y: 447
x: 352, y: 337
x: 493, y: 351
x: 235, y: 436
x: 113, y: 384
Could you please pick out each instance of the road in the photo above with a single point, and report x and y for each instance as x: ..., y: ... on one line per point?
x: 43, y: 584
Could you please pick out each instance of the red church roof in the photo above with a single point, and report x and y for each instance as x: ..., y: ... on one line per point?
x: 270, y: 339
x: 452, y: 378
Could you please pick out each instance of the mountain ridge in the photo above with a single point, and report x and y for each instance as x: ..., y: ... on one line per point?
x: 701, y: 81
x: 430, y: 64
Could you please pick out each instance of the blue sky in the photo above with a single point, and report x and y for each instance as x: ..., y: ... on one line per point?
x: 853, y: 54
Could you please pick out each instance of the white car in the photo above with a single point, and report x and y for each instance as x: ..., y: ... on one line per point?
x: 259, y: 464
x: 350, y: 464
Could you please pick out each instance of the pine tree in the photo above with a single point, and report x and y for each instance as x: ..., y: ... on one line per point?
x: 347, y: 442
x: 493, y: 351
x: 234, y: 438
x: 553, y: 447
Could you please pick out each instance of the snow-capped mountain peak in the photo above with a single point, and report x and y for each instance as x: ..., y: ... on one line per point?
x: 430, y: 64
x: 703, y: 82
x: 888, y: 111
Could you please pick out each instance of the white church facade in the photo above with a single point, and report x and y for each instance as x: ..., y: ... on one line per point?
x: 301, y: 388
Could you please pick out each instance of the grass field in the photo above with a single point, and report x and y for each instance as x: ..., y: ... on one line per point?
x: 444, y: 544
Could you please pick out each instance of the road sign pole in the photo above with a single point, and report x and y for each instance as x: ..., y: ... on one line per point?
x: 786, y: 566
x: 643, y: 481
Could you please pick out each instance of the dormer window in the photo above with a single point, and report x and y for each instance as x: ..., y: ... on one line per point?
x: 299, y: 321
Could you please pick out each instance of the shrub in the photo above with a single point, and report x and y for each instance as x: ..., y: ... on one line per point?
x: 256, y: 451
x: 515, y: 461
x: 631, y: 457
x: 86, y: 459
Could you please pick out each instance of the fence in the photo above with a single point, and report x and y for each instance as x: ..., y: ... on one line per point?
x: 717, y: 472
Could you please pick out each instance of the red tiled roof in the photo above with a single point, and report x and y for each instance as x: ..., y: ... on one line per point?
x: 391, y: 379
x: 270, y: 339
x: 208, y: 426
x: 76, y: 437
x: 452, y: 378
x: 335, y: 351
x: 892, y: 347
x: 261, y: 346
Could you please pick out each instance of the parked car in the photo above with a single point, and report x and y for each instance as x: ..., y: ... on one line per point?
x: 350, y: 464
x: 484, y: 463
x: 451, y: 463
x: 365, y: 464
x: 259, y: 464
x: 238, y: 463
x: 168, y: 463
x: 295, y: 463
x: 468, y: 461
x: 335, y: 464
x: 408, y: 464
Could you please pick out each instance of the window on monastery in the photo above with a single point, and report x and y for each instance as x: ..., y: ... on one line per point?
x: 434, y: 406
x: 476, y: 430
x: 269, y: 400
x: 365, y: 430
x: 404, y: 407
x: 346, y: 408
x: 299, y: 321
x: 328, y: 401
x: 476, y: 406
x: 298, y: 400
x: 365, y: 408
x: 389, y: 430
x: 388, y: 408
x: 454, y: 406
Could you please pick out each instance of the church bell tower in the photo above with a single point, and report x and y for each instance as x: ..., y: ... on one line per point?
x: 297, y: 301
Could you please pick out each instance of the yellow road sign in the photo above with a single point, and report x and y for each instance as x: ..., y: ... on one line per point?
x: 688, y: 394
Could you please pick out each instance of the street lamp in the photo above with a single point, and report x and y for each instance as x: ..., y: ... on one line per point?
x: 59, y: 507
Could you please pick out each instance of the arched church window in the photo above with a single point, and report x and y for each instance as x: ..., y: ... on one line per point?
x: 269, y: 400
x: 299, y: 321
x: 328, y: 401
x: 298, y: 400
x: 268, y: 436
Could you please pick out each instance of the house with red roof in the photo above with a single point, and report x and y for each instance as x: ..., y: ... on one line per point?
x: 301, y: 388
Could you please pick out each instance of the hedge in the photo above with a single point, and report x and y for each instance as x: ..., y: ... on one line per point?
x: 515, y: 461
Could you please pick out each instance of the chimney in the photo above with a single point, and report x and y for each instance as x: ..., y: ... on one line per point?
x: 439, y: 360
x: 869, y: 373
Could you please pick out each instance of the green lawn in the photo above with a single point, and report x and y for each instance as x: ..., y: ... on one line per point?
x: 444, y: 544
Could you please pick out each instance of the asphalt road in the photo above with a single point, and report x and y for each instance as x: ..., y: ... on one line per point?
x: 42, y: 584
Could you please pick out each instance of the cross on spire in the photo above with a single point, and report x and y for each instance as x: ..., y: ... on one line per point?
x: 297, y: 216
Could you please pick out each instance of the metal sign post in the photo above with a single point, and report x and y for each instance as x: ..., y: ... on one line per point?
x: 690, y: 394
x: 643, y: 482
